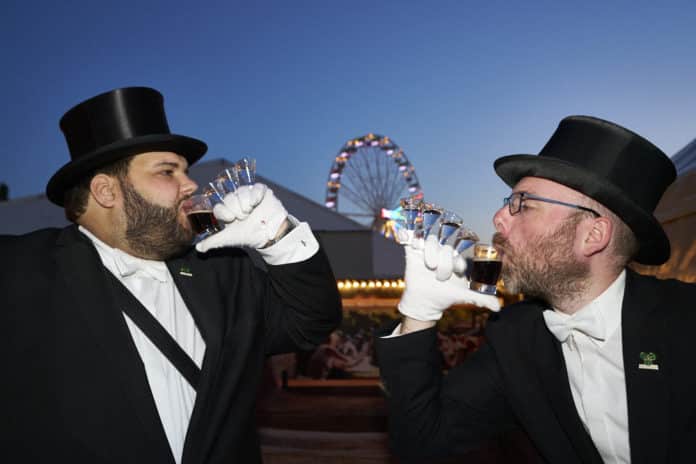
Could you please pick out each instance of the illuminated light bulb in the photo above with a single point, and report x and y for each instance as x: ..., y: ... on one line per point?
x: 348, y: 285
x: 379, y: 284
x: 355, y: 284
x: 340, y: 284
x: 371, y: 284
x: 363, y: 284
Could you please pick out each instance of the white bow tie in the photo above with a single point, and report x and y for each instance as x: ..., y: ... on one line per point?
x: 128, y: 265
x: 587, y: 322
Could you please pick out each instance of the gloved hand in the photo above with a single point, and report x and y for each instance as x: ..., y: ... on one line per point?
x: 442, y: 258
x: 252, y: 216
x: 426, y: 298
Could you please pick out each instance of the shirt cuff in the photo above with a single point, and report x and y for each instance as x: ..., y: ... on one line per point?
x: 296, y: 246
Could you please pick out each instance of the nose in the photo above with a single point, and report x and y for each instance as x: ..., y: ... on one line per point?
x: 188, y: 186
x: 500, y: 219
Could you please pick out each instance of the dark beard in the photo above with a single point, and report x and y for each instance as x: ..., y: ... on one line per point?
x: 153, y: 231
x: 546, y: 268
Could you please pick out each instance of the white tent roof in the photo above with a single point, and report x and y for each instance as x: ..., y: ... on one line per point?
x: 685, y: 159
x: 676, y: 211
x: 353, y: 249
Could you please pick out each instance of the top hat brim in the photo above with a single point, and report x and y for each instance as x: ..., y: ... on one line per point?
x: 73, y: 172
x: 654, y: 244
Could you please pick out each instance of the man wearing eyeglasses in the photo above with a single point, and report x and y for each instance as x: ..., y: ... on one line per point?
x: 594, y: 364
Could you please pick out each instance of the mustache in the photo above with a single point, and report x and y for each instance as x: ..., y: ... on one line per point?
x: 499, y: 242
x: 179, y: 203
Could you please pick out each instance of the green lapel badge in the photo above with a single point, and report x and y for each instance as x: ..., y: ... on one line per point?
x: 648, y: 361
x: 185, y: 271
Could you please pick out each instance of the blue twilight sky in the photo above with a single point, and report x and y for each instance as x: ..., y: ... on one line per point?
x: 454, y: 83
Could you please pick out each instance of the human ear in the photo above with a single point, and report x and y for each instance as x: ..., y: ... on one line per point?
x: 103, y: 189
x: 597, y: 236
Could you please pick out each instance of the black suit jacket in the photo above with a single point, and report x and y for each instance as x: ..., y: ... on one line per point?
x: 518, y: 379
x: 73, y: 386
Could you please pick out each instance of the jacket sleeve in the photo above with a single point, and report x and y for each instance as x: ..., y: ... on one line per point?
x: 434, y: 415
x: 301, y: 304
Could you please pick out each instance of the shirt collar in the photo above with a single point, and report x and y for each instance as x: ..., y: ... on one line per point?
x: 124, y: 264
x: 607, y: 306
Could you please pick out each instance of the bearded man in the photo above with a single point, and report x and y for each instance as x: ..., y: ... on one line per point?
x: 121, y: 342
x: 593, y: 365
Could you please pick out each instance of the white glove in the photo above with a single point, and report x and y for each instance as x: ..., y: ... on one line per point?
x: 252, y: 216
x: 426, y: 298
x: 442, y: 258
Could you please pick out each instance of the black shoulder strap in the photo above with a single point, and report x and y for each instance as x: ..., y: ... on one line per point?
x: 155, y: 332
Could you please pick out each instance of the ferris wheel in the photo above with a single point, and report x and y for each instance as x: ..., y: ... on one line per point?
x: 372, y: 173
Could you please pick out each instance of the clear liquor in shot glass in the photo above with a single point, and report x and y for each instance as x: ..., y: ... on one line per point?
x: 449, y: 223
x: 410, y: 210
x: 246, y: 171
x: 463, y: 239
x: 431, y: 214
x: 408, y: 220
x: 485, y: 270
x: 226, y: 181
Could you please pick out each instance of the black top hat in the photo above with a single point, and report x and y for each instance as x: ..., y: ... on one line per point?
x: 115, y: 125
x: 616, y: 167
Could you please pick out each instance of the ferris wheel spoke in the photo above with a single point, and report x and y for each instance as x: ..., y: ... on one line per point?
x: 359, y: 187
x: 394, y: 193
x: 366, y: 184
x: 365, y: 198
x: 371, y: 173
x: 380, y: 180
x: 357, y: 199
x: 373, y: 177
x: 393, y: 187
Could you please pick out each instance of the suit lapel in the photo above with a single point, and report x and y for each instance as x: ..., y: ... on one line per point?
x: 646, y: 389
x: 199, y: 289
x: 554, y: 379
x: 83, y: 276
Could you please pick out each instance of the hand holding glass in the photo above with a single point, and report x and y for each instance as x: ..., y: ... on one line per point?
x: 199, y: 208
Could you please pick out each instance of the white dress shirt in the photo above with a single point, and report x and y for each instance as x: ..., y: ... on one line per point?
x: 152, y: 284
x: 596, y: 371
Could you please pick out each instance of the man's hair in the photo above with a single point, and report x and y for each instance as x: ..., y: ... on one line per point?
x: 624, y: 244
x: 75, y: 198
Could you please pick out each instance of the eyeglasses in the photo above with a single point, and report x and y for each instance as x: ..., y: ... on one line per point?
x: 514, y: 203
